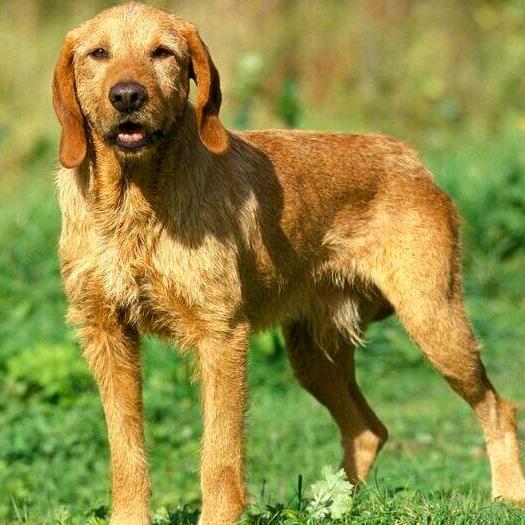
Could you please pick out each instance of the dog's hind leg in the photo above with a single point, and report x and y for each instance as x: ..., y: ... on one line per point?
x: 442, y: 332
x: 331, y: 380
x: 417, y: 268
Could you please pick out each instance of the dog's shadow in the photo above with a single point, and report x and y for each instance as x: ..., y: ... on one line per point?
x: 247, y: 212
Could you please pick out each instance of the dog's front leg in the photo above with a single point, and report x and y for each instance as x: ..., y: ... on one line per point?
x: 223, y: 376
x: 113, y: 354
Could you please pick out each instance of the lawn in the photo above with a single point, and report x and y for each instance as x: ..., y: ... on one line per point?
x: 53, y: 450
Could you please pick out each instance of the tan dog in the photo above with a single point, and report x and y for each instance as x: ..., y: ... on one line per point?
x: 176, y: 227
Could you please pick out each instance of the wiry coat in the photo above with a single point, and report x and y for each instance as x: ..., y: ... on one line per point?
x: 204, y: 236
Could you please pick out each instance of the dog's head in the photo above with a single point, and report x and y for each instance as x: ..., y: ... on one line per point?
x: 124, y: 76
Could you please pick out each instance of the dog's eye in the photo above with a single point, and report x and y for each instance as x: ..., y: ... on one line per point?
x: 161, y: 52
x: 99, y: 53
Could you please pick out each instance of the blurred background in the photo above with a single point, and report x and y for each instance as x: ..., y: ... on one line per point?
x: 446, y: 76
x: 427, y: 71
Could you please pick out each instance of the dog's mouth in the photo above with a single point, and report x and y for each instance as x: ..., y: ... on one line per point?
x: 130, y: 136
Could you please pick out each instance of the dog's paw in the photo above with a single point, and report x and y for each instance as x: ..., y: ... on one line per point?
x: 513, y: 495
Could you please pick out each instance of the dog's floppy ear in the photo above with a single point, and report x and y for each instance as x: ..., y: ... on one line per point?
x: 73, y: 144
x: 206, y: 76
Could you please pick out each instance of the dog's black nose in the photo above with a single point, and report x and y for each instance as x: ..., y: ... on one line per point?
x: 127, y: 96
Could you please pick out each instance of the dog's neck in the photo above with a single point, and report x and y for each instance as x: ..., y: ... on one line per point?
x: 163, y: 184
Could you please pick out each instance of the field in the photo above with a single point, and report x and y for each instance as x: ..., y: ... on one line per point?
x: 53, y: 449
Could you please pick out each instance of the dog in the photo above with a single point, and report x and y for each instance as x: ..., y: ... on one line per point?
x: 174, y: 226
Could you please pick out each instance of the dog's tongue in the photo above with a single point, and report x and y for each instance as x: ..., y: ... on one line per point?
x: 131, y: 137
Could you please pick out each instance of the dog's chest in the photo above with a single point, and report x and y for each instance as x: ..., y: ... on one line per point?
x: 122, y: 268
x: 168, y: 288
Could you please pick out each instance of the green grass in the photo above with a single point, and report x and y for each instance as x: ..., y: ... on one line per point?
x: 53, y: 451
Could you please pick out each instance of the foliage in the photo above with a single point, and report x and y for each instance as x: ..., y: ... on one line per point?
x: 331, y: 496
x: 49, y: 372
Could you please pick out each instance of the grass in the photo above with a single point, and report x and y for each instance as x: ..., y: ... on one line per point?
x: 53, y: 452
